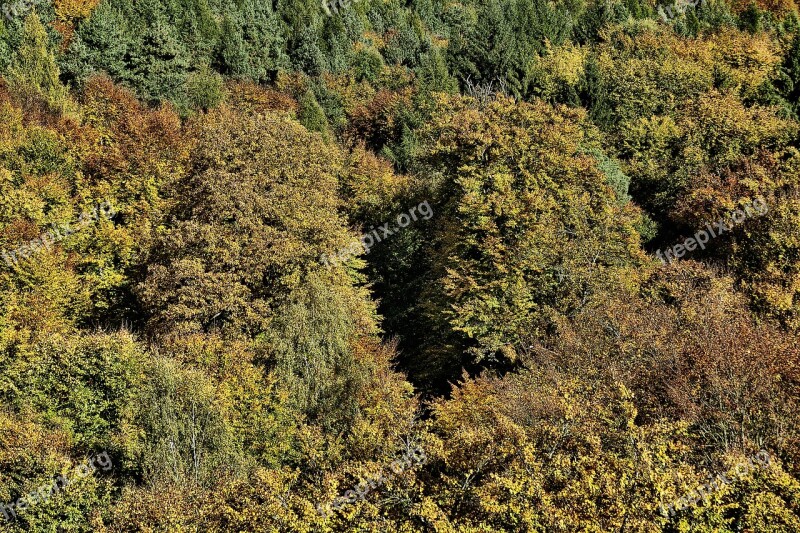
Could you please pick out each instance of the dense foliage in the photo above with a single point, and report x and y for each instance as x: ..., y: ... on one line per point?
x: 174, y: 174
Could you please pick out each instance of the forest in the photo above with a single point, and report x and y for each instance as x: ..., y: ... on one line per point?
x: 400, y: 266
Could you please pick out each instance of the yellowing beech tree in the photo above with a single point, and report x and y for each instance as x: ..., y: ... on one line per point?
x: 250, y: 221
x: 528, y: 225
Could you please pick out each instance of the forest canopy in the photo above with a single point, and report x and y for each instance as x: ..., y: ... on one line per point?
x: 421, y: 266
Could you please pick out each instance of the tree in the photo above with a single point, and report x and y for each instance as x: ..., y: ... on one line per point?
x: 100, y: 44
x: 33, y: 71
x: 251, y: 44
x: 247, y: 224
x: 526, y: 228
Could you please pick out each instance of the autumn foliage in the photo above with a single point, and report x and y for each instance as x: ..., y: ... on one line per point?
x: 556, y: 374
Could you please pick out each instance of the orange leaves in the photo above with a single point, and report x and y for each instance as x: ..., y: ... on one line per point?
x: 245, y: 96
x: 376, y: 121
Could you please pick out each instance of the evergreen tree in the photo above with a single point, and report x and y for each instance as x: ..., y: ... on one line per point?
x: 791, y: 68
x: 433, y: 74
x: 264, y: 41
x: 100, y: 44
x: 159, y: 65
x: 305, y: 52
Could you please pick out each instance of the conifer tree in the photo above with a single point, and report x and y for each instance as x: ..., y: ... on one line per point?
x: 263, y: 41
x: 101, y: 43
